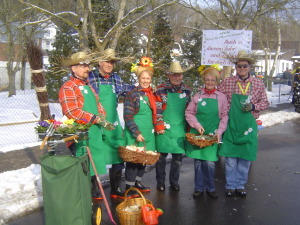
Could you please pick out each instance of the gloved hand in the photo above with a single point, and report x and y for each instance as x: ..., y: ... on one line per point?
x: 247, y: 107
x: 108, y: 126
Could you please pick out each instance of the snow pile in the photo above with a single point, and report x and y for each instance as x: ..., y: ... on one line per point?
x: 20, y: 192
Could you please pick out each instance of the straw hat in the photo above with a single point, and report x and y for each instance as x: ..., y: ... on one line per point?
x: 109, y: 54
x: 175, y: 67
x: 243, y: 56
x: 76, y: 58
x: 212, y: 71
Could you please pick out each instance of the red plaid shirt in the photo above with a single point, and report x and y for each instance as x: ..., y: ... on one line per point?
x: 256, y: 89
x: 72, y: 100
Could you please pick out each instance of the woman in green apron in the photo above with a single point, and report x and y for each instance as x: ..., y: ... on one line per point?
x: 140, y: 118
x: 207, y: 113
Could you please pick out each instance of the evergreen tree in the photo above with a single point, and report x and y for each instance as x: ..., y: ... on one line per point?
x: 104, y: 15
x: 66, y: 43
x: 162, y: 44
x: 191, y: 47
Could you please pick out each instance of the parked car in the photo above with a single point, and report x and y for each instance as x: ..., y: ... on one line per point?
x: 278, y: 79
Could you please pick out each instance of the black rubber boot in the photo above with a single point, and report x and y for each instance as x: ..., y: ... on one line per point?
x: 141, y: 187
x: 96, y: 194
x: 115, y: 182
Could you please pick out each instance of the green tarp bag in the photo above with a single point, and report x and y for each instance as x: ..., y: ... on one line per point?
x: 66, y: 186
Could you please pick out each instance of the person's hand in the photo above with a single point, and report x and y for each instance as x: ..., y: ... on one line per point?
x: 247, y: 107
x: 219, y: 139
x: 101, y: 118
x: 108, y: 126
x: 140, y: 138
x: 160, y: 132
x: 200, y: 130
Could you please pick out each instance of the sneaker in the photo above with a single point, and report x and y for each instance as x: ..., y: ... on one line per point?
x: 229, y: 192
x: 161, y: 187
x: 212, y: 194
x: 241, y: 192
x: 197, y: 194
x: 175, y: 187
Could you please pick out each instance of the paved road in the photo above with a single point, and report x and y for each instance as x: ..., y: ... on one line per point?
x: 273, y: 189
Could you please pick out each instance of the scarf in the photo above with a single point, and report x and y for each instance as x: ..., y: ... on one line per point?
x: 209, y: 91
x: 148, y: 91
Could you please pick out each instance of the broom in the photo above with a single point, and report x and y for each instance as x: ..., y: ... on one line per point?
x: 35, y: 59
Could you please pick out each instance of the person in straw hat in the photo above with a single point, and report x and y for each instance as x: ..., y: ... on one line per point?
x: 109, y: 86
x: 207, y: 114
x: 175, y: 96
x: 80, y: 102
x: 142, y: 115
x: 247, y: 98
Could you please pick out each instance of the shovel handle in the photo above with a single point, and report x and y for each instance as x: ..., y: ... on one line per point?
x: 71, y: 138
x: 44, y: 142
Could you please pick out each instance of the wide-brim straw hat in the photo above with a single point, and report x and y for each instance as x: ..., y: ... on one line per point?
x: 109, y: 54
x: 243, y: 56
x: 211, y: 70
x: 175, y: 67
x: 76, y: 59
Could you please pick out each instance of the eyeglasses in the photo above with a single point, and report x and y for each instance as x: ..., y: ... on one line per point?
x: 242, y: 66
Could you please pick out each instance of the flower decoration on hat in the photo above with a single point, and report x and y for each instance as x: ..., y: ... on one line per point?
x: 203, y: 67
x: 144, y: 61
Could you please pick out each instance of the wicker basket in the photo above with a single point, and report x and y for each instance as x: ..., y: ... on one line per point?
x: 137, y: 157
x: 192, y: 138
x: 132, y: 218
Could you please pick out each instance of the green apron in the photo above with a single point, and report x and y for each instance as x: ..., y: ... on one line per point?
x: 240, y: 137
x: 208, y: 115
x: 173, y: 140
x: 112, y: 139
x: 143, y: 120
x: 94, y: 135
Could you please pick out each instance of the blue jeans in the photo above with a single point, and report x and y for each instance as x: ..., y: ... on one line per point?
x: 174, y: 170
x: 204, y: 175
x: 236, y: 172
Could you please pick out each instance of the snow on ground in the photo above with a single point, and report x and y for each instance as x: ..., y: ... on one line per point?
x: 21, y: 190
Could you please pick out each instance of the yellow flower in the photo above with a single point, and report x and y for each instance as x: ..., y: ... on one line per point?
x: 133, y: 67
x: 69, y: 122
x: 201, y: 68
x: 216, y: 66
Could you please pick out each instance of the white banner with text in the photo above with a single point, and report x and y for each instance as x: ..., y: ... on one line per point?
x: 218, y: 44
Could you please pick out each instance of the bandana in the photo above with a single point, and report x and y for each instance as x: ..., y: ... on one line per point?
x: 209, y: 91
x: 149, y: 92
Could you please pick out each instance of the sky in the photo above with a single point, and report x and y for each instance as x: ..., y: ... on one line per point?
x: 21, y: 190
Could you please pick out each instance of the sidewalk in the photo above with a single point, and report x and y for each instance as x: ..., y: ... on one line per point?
x: 272, y: 189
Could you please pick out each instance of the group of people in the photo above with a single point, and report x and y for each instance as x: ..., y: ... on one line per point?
x: 159, y: 120
x: 296, y: 90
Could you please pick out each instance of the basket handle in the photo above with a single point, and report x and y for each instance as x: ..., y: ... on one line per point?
x: 136, y: 143
x: 138, y: 191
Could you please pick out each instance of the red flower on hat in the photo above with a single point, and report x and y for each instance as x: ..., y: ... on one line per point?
x: 146, y: 61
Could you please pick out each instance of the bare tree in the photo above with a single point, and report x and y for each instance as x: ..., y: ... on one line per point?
x: 80, y: 18
x: 234, y: 14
